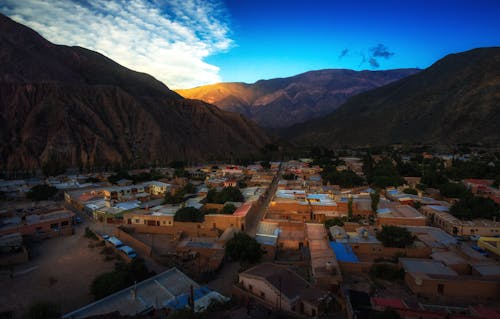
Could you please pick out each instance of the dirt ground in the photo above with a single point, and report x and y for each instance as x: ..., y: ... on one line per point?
x: 60, y: 271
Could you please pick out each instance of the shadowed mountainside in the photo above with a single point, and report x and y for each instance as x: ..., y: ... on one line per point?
x: 77, y: 107
x: 456, y: 100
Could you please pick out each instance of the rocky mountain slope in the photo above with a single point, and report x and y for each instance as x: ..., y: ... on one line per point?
x: 76, y: 107
x: 285, y: 101
x: 456, y: 100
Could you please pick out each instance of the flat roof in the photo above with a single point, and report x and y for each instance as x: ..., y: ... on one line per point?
x: 344, y: 252
x: 426, y: 266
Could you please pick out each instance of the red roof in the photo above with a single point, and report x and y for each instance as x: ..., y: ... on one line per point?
x: 388, y: 302
x: 243, y: 209
x: 477, y: 181
x: 487, y: 313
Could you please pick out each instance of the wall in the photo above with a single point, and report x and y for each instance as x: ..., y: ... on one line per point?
x: 353, y: 268
x: 371, y: 251
x: 477, y: 288
x: 401, y: 221
x: 139, y: 246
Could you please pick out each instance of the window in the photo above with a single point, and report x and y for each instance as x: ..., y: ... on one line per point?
x: 440, y: 289
x: 137, y: 220
x: 164, y: 222
x: 262, y: 294
x: 64, y: 223
x: 54, y: 226
x: 250, y: 287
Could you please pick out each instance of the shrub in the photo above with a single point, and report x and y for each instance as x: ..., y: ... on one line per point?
x: 189, y: 214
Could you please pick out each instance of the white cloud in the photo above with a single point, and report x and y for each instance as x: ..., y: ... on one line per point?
x: 167, y: 39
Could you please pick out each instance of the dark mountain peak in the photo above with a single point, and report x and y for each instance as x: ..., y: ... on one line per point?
x: 454, y: 100
x: 75, y: 107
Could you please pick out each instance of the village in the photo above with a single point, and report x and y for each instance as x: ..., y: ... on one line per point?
x: 356, y: 235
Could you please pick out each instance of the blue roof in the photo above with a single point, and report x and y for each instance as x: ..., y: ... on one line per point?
x: 383, y: 211
x: 181, y: 302
x: 439, y: 208
x: 344, y: 252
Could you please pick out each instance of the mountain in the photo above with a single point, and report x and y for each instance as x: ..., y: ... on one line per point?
x: 285, y: 101
x: 76, y: 107
x: 456, y: 100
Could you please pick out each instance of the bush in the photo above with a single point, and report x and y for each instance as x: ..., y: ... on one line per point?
x: 228, y: 209
x: 90, y: 234
x: 394, y: 236
x: 189, y: 214
x: 338, y: 221
x: 180, y: 194
x: 343, y: 178
x: 43, y: 310
x: 243, y: 248
x: 41, y: 192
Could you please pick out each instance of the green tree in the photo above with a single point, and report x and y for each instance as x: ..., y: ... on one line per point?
x: 227, y: 194
x: 41, y: 192
x: 386, y: 174
x: 228, y: 209
x: 189, y: 214
x: 471, y: 207
x: 375, y: 197
x: 454, y: 190
x: 395, y: 236
x: 243, y: 248
x: 122, y: 277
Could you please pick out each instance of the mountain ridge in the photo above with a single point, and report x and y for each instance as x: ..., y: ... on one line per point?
x: 282, y: 102
x: 79, y: 108
x: 454, y: 100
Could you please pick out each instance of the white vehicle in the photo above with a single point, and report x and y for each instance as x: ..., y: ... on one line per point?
x: 129, y: 251
x: 115, y: 242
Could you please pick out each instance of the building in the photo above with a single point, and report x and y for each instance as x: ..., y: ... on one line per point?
x: 440, y: 216
x: 433, y: 279
x: 41, y: 225
x: 399, y: 215
x: 168, y: 290
x: 279, y: 288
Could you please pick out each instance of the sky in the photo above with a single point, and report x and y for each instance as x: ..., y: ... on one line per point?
x: 187, y: 43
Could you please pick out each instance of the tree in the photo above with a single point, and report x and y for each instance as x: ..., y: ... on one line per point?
x: 411, y: 191
x: 122, y: 277
x: 227, y: 194
x: 189, y: 214
x: 471, y: 207
x: 228, y: 209
x: 454, y: 190
x: 243, y: 248
x: 375, y: 197
x: 41, y: 192
x: 386, y: 174
x: 395, y: 236
x: 349, y: 208
x: 265, y: 165
x: 289, y: 177
x: 345, y: 178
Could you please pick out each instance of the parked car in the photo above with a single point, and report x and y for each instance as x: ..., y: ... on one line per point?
x: 115, y: 242
x: 129, y: 251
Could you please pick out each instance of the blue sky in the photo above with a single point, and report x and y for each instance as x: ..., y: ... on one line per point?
x: 282, y: 38
x: 186, y: 43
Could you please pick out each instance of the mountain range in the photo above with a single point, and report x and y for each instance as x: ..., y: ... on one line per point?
x: 455, y: 100
x: 79, y: 108
x: 282, y: 102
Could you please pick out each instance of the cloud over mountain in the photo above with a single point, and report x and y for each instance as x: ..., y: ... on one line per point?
x: 168, y: 39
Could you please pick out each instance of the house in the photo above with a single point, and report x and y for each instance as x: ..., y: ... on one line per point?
x: 279, y: 288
